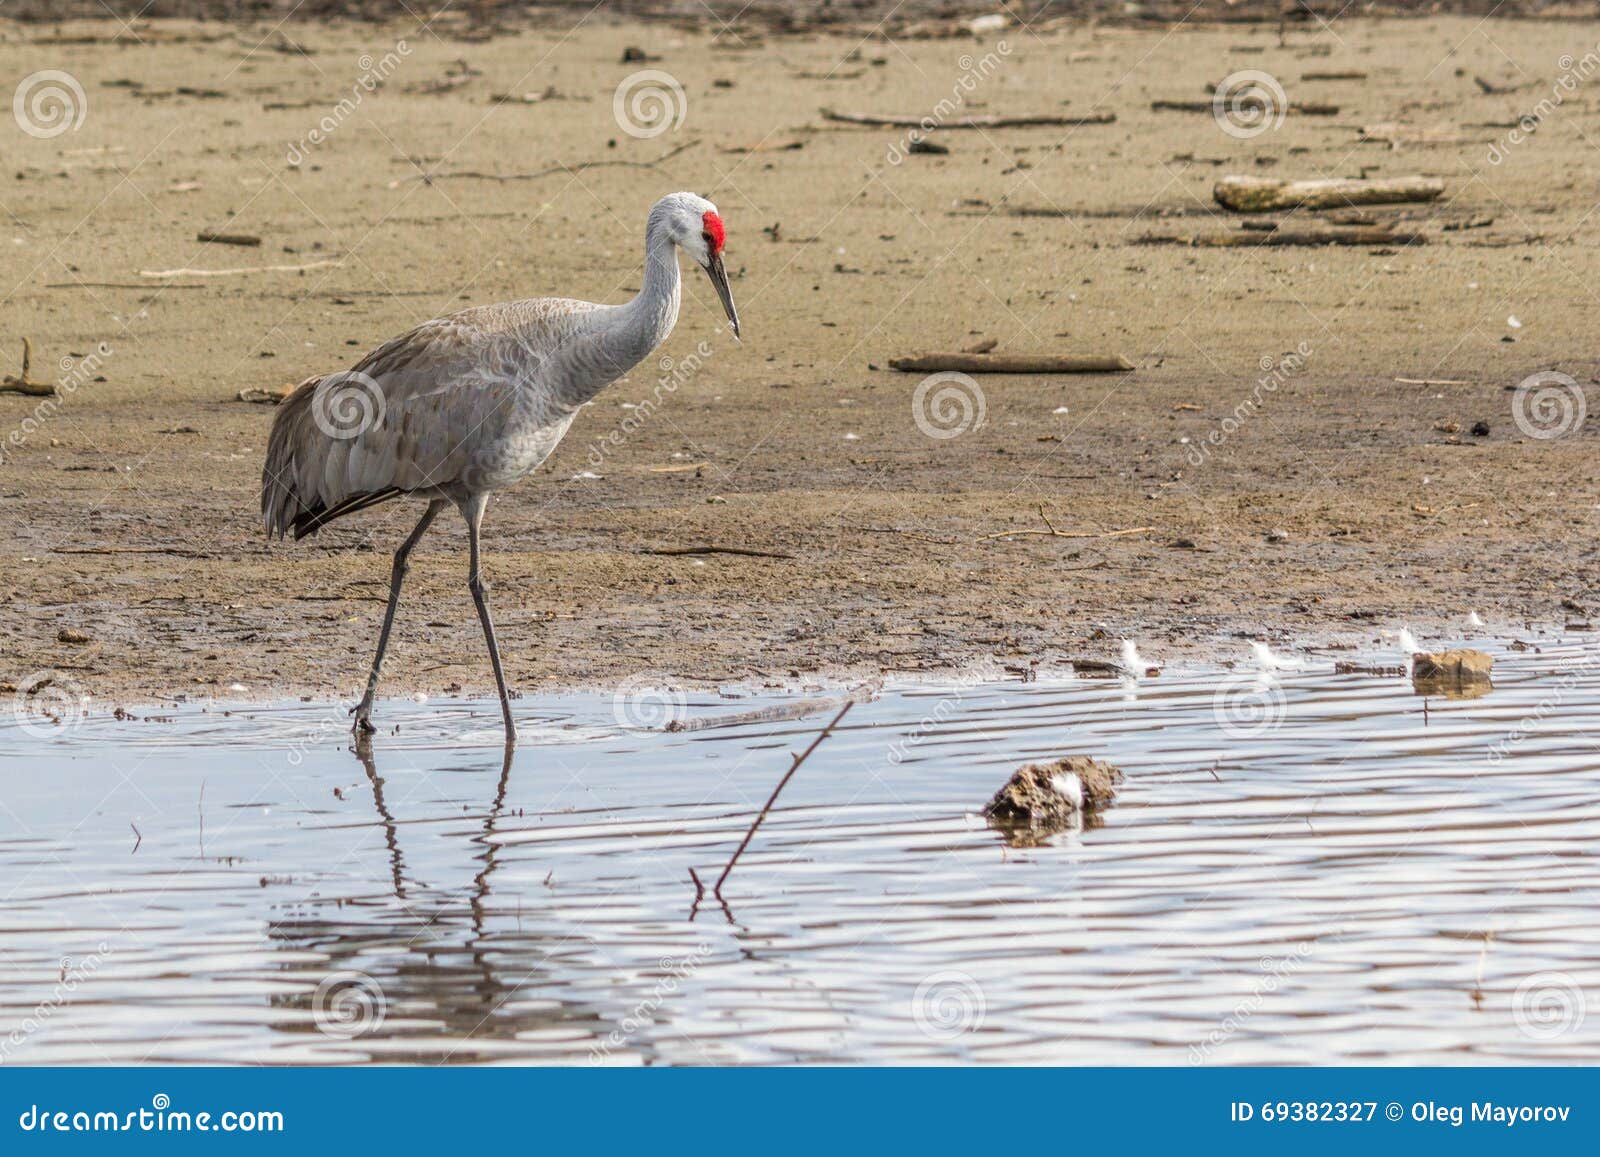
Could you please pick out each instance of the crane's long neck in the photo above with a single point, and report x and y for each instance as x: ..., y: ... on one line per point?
x: 620, y: 337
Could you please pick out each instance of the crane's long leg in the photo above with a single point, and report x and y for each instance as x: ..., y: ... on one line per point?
x: 396, y: 577
x: 472, y: 510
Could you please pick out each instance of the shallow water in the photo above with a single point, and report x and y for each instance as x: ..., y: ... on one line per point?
x: 1319, y: 868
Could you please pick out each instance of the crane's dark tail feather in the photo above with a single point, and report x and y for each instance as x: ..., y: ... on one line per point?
x: 310, y: 521
x: 290, y: 503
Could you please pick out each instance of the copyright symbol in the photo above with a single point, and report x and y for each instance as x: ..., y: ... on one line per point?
x: 1394, y: 1112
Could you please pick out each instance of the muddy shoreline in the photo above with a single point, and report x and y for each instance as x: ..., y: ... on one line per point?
x: 1293, y: 458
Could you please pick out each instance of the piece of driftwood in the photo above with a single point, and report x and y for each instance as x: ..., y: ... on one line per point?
x: 22, y: 383
x: 780, y: 713
x: 1009, y: 364
x: 971, y: 122
x: 1265, y: 194
x: 1253, y: 237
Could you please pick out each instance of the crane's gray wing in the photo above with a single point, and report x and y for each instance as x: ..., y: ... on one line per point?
x: 420, y: 412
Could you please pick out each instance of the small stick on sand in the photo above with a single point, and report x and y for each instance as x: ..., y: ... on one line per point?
x: 477, y: 175
x: 1010, y: 364
x: 240, y: 270
x: 1307, y: 107
x: 1264, y: 194
x: 1433, y: 382
x: 977, y: 122
x: 675, y: 551
x: 1251, y: 238
x: 1050, y: 531
x: 22, y: 383
x: 227, y: 238
x: 794, y: 766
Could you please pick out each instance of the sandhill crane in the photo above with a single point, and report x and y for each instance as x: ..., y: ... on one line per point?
x: 468, y: 404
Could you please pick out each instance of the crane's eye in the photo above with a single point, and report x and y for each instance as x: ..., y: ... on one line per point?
x: 711, y: 244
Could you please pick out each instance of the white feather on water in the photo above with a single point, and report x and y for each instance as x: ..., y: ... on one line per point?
x: 1268, y: 661
x: 1408, y: 642
x: 1069, y: 787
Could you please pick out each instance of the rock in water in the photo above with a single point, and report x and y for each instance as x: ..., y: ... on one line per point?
x: 1447, y: 671
x: 1050, y: 795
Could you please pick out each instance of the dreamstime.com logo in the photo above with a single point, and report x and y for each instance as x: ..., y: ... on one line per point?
x: 49, y: 103
x: 348, y: 1004
x: 649, y: 103
x: 160, y: 1117
x: 1549, y: 404
x: 642, y: 704
x: 1248, y: 705
x: 948, y: 404
x: 948, y: 1004
x: 1548, y: 1005
x: 49, y: 703
x: 1249, y: 103
x: 348, y: 404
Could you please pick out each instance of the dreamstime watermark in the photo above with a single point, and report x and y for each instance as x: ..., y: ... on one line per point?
x: 931, y: 721
x: 73, y: 973
x: 1548, y: 405
x: 1274, y: 971
x: 49, y: 103
x: 648, y: 103
x: 1548, y: 1005
x: 674, y: 373
x: 1248, y: 705
x: 373, y: 75
x: 49, y: 703
x: 948, y: 404
x: 948, y: 1004
x: 674, y: 972
x: 1275, y: 372
x: 643, y: 704
x: 1573, y: 74
x: 973, y: 73
x: 347, y: 404
x: 1547, y: 705
x: 348, y: 1004
x: 1248, y: 103
x: 75, y: 371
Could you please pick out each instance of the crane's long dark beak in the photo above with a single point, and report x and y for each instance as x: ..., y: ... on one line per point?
x: 719, y: 278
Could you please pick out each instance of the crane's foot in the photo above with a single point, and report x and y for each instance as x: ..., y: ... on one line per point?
x: 363, y: 724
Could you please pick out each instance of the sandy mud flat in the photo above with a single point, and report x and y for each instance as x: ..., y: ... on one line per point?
x: 1294, y: 456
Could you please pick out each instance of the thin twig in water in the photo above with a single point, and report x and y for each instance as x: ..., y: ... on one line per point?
x: 1050, y: 531
x: 137, y: 837
x: 773, y: 798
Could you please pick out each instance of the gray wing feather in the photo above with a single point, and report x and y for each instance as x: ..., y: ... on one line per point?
x: 421, y: 412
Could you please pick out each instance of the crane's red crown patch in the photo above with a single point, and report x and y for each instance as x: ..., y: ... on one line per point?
x: 714, y: 231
